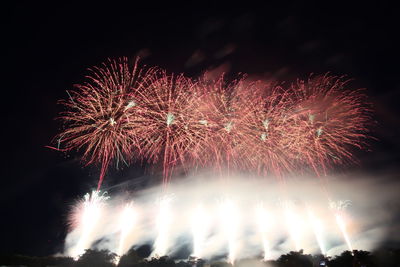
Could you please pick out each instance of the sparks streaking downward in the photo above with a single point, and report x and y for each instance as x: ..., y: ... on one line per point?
x: 338, y: 210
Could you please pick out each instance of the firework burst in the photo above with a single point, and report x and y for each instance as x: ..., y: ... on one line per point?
x: 171, y: 127
x: 328, y: 120
x: 100, y: 116
x: 267, y: 130
x: 122, y: 113
x: 226, y: 109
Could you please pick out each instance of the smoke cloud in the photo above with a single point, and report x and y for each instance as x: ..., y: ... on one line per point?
x: 240, y: 216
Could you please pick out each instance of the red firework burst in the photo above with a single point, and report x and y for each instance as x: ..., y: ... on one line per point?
x: 267, y: 131
x: 171, y: 124
x: 100, y: 116
x: 121, y: 113
x: 328, y: 120
x: 226, y: 110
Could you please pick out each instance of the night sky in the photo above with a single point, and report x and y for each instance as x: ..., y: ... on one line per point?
x: 49, y: 47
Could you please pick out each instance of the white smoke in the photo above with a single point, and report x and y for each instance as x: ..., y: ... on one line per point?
x: 213, y: 215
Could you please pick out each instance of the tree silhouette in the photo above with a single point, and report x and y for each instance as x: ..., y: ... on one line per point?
x: 98, y: 258
x: 295, y: 259
x: 130, y: 259
x: 343, y: 260
x: 319, y: 260
x: 104, y: 258
x: 362, y: 258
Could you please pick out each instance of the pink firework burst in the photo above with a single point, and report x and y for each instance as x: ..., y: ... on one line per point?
x: 267, y: 130
x: 100, y: 114
x: 328, y: 121
x: 122, y: 113
x: 171, y: 124
x: 227, y: 109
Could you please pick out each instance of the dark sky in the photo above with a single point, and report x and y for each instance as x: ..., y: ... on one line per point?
x: 49, y: 47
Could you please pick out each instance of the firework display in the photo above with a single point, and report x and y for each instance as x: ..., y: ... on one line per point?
x: 122, y: 113
x: 233, y: 224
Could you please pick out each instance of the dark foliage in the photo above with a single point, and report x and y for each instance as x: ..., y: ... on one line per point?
x: 98, y: 258
x: 104, y: 258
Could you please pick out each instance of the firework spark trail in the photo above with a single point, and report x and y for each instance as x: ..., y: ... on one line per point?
x: 338, y: 207
x: 199, y: 230
x: 317, y: 229
x: 127, y: 222
x: 87, y: 218
x: 343, y: 228
x: 264, y: 223
x: 294, y: 224
x: 164, y: 220
x: 230, y: 225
